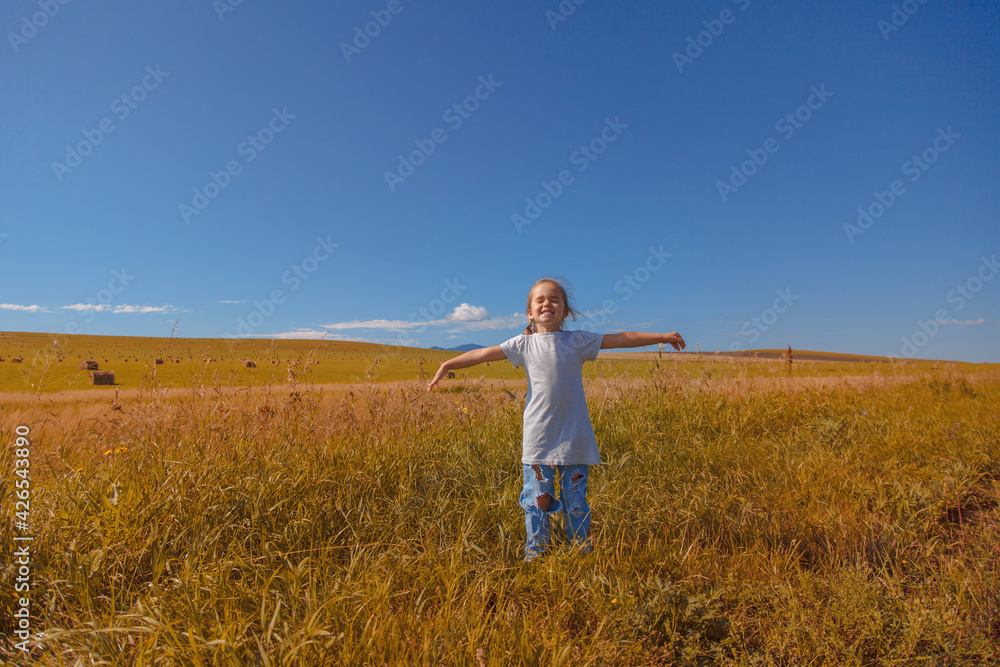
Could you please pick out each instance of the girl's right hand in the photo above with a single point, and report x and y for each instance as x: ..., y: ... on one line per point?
x: 437, y: 377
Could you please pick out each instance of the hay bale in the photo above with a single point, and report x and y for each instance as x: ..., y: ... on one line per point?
x: 157, y: 361
x: 451, y: 374
x: 102, y: 377
x: 249, y: 364
x: 17, y: 360
x: 87, y: 365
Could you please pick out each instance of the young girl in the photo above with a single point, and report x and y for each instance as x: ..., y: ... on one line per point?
x: 558, y: 437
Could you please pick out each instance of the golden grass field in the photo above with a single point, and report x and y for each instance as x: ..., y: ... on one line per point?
x: 324, y: 508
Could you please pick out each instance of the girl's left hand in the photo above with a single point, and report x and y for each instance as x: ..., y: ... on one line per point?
x: 675, y: 339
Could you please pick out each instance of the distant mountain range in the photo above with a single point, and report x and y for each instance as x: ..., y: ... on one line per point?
x: 460, y: 348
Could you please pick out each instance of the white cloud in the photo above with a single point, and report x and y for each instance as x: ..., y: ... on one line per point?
x: 454, y: 321
x: 389, y: 325
x: 315, y: 334
x: 464, y: 317
x: 123, y: 308
x: 492, y: 324
x: 24, y: 309
x: 311, y: 334
x: 140, y: 309
x: 966, y: 323
x: 468, y: 313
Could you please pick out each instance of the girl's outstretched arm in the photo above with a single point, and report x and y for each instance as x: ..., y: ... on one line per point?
x: 638, y: 339
x: 466, y: 359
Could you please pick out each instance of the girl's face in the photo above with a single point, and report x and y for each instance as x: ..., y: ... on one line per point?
x: 547, y: 307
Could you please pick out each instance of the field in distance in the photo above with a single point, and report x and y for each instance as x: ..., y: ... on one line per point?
x: 51, y: 362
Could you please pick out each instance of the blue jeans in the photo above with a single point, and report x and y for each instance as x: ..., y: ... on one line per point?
x: 540, y: 480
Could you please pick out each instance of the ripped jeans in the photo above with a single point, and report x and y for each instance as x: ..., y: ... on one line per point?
x: 540, y: 480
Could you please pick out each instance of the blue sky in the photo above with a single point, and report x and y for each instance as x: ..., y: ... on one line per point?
x: 271, y: 170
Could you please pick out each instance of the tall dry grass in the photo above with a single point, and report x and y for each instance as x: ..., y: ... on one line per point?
x: 736, y: 521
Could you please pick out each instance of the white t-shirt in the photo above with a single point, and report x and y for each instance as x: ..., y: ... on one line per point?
x: 557, y: 429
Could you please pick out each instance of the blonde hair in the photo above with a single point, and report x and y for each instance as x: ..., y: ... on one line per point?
x: 558, y: 282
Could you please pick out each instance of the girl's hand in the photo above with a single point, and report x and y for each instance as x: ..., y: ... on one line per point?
x: 437, y: 377
x: 675, y: 339
x: 467, y: 359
